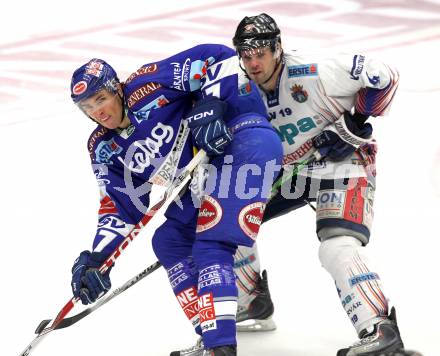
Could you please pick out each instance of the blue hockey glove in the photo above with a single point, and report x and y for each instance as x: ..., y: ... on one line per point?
x: 88, y: 283
x: 338, y: 141
x: 208, y: 128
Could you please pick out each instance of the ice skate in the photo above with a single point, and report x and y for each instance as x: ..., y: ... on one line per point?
x: 229, y: 350
x: 258, y: 315
x: 196, y: 350
x: 384, y: 340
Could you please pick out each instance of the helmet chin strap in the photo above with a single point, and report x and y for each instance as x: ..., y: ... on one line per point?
x: 124, y: 107
x: 274, y: 70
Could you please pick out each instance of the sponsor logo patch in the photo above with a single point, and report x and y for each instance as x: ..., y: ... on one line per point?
x: 94, y: 68
x: 147, y: 150
x: 207, y: 312
x: 245, y: 261
x: 148, y: 69
x: 98, y: 133
x: 105, y: 150
x: 79, y: 87
x: 358, y: 66
x: 210, y: 213
x: 245, y: 89
x: 303, y: 70
x: 143, y: 113
x: 365, y: 277
x: 250, y: 219
x: 180, y: 73
x: 330, y: 204
x: 188, y: 301
x: 374, y: 79
x: 142, y: 92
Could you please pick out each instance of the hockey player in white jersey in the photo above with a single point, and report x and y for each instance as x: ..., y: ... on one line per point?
x: 321, y: 104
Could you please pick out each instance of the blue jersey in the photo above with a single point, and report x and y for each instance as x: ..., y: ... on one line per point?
x: 158, y: 143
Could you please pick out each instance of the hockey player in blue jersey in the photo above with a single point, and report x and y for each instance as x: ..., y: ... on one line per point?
x: 320, y: 103
x: 146, y: 130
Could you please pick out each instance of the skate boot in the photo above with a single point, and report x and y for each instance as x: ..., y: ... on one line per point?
x: 384, y: 340
x: 258, y: 315
x: 229, y: 350
x: 196, y: 350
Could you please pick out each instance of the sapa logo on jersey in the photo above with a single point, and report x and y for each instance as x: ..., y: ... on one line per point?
x: 289, y: 131
x: 250, y: 219
x: 210, y: 213
x: 148, y: 149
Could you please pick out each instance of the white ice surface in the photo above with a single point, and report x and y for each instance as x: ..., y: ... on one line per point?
x: 48, y: 195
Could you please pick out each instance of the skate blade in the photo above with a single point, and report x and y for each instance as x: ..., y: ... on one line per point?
x: 256, y: 325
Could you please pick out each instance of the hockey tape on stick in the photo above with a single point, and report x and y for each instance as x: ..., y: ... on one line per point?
x: 175, y: 188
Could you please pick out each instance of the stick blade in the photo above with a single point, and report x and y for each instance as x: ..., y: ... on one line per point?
x: 42, y: 325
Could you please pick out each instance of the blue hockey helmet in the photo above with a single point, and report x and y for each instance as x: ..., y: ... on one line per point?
x: 255, y: 32
x: 92, y: 77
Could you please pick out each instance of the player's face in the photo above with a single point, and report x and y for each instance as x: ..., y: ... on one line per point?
x: 105, y: 108
x: 259, y: 64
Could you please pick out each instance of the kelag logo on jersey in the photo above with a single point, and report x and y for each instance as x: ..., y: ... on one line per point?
x: 105, y: 150
x: 303, y: 70
x: 148, y: 149
x: 289, y: 131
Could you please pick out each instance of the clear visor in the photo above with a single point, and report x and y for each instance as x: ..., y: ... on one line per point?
x: 249, y: 53
x: 96, y: 102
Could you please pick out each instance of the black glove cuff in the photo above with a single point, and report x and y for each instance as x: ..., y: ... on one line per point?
x: 97, y: 259
x: 359, y: 118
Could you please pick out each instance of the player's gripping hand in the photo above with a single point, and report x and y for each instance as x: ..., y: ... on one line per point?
x: 208, y: 128
x: 88, y: 283
x: 339, y: 140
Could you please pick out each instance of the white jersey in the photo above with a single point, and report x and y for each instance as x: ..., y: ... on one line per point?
x: 313, y: 91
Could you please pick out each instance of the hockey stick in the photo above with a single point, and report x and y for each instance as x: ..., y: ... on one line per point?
x: 296, y: 169
x: 173, y: 188
x: 105, y: 299
x: 66, y: 322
